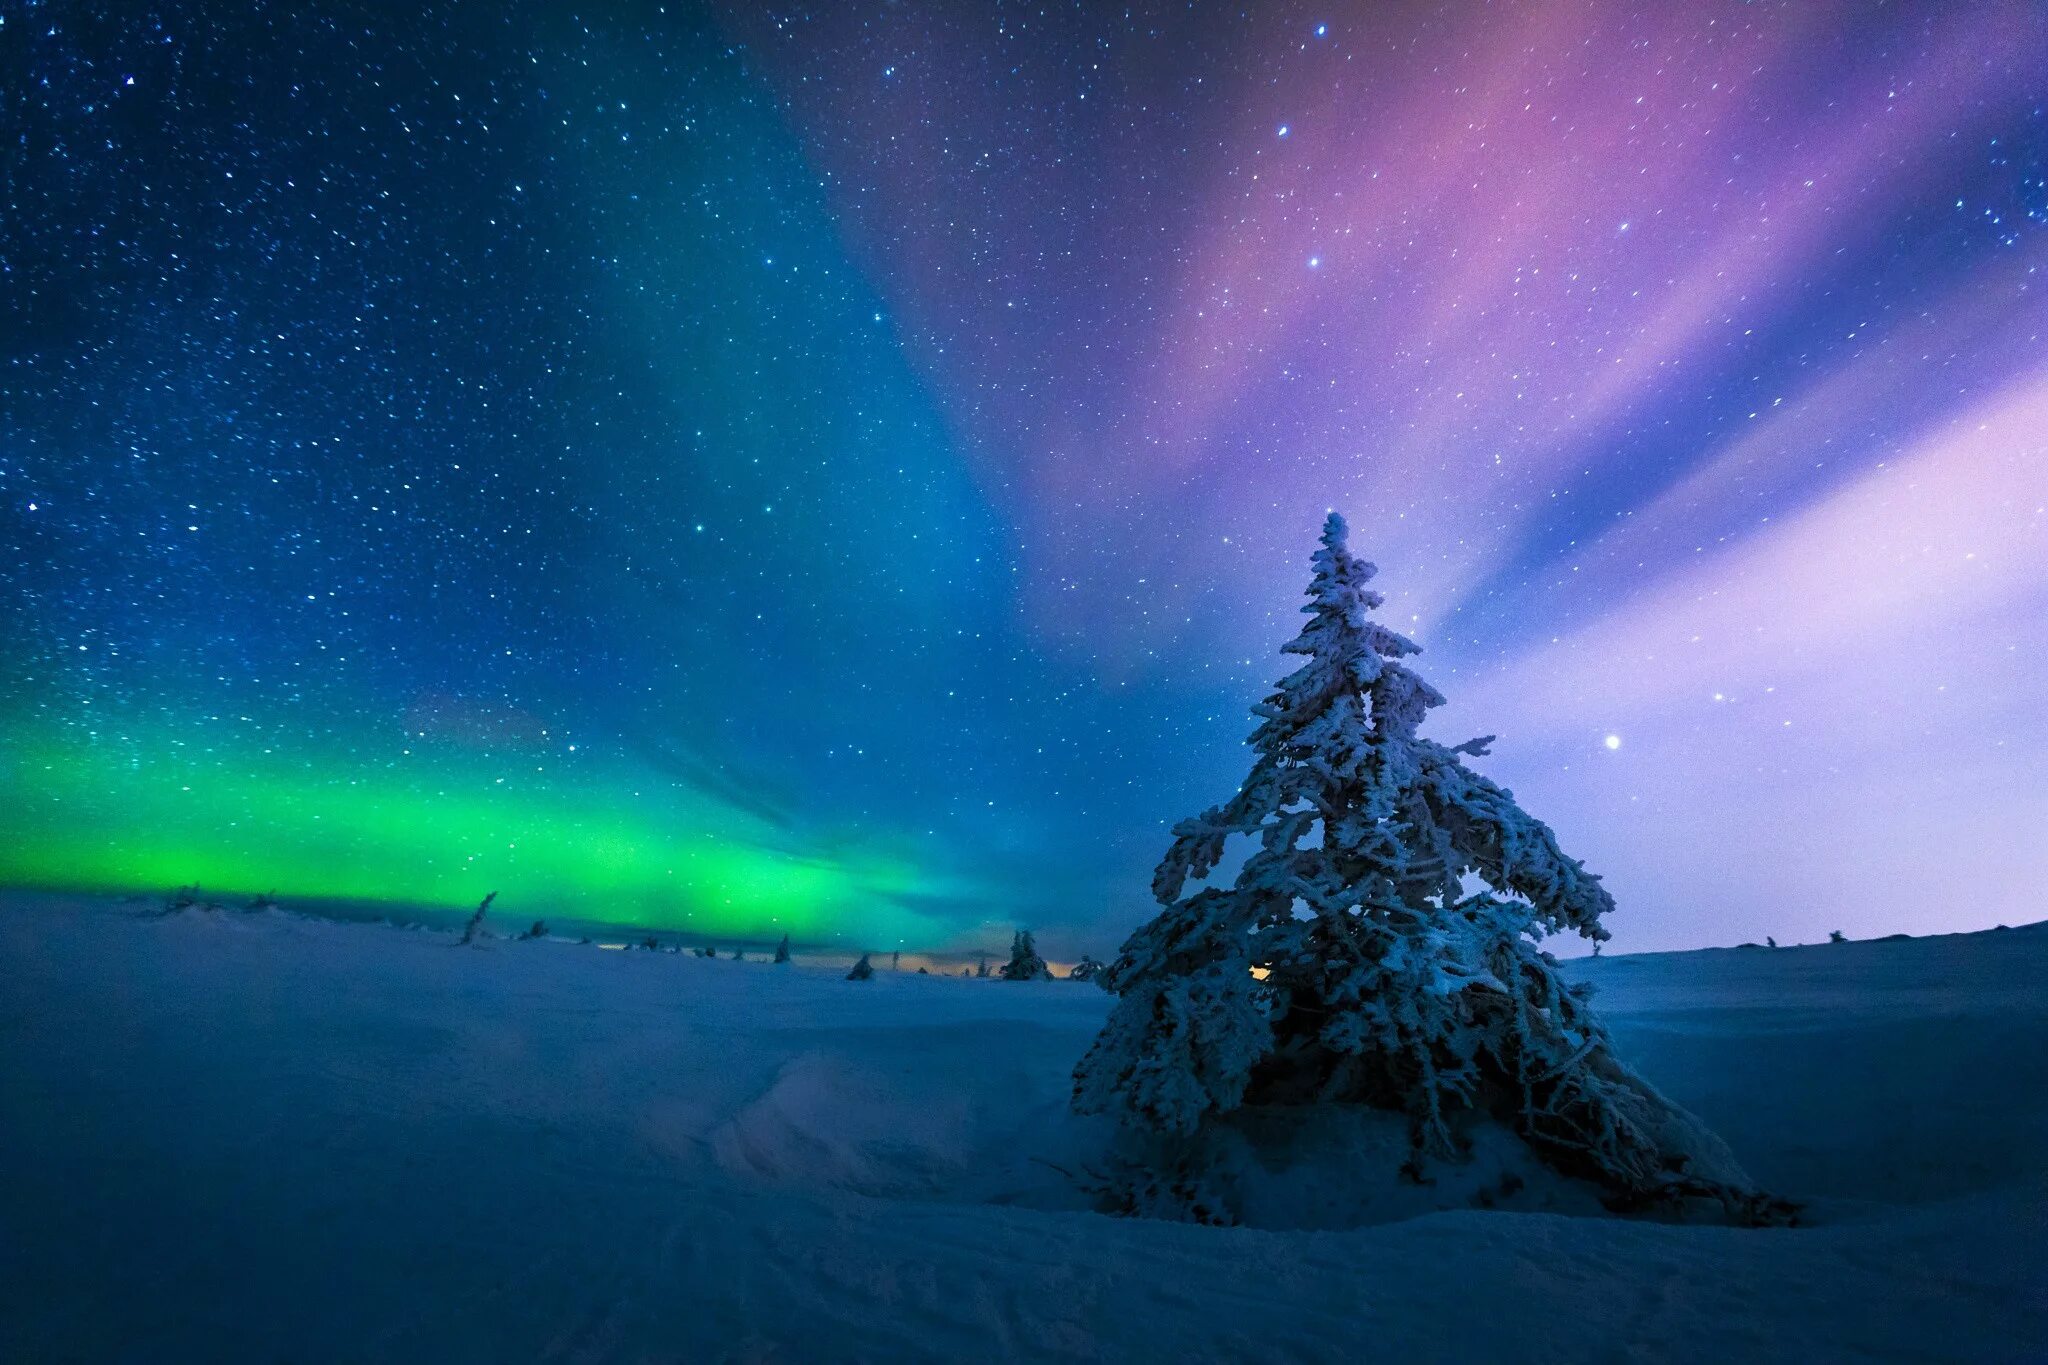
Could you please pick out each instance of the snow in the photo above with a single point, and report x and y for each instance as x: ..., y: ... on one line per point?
x: 237, y: 1135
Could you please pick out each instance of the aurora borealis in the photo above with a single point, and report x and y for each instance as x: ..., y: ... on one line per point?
x: 850, y: 469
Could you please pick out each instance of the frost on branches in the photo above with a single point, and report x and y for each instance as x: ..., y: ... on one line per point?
x: 1348, y: 965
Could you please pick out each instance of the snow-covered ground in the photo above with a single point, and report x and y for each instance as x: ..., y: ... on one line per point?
x: 232, y: 1136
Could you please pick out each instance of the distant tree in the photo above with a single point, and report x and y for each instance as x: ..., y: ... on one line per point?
x: 923, y: 971
x: 981, y: 968
x: 1087, y: 969
x: 896, y: 961
x: 1348, y: 965
x: 1025, y: 964
x: 711, y: 950
x: 181, y: 898
x: 650, y: 944
x: 1836, y: 936
x: 266, y: 901
x: 539, y: 930
x: 1770, y: 942
x: 739, y: 955
x: 862, y: 969
x: 782, y: 949
x: 476, y: 921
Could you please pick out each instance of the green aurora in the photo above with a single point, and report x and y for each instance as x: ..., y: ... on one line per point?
x: 619, y: 399
x: 440, y: 834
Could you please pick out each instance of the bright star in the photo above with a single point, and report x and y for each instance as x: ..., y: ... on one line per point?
x: 1612, y: 741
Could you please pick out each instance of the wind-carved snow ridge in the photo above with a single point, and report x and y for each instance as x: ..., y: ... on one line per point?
x: 1351, y: 968
x: 819, y: 1125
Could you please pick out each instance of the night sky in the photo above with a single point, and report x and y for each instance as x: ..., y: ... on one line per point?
x: 849, y: 471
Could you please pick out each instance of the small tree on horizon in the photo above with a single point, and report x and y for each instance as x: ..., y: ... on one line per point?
x: 862, y: 969
x: 476, y: 921
x: 1347, y: 963
x: 1025, y: 964
x: 782, y: 949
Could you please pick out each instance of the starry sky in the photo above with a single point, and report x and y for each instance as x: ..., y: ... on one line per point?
x: 746, y: 468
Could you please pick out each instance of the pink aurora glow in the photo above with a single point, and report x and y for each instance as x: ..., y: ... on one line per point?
x: 1680, y: 364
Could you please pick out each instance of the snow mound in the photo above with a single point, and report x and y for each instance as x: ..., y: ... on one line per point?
x: 1312, y: 1168
x: 826, y: 1122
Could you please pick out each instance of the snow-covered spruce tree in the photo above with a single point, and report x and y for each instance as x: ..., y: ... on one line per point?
x: 782, y: 949
x: 1347, y: 964
x: 862, y: 970
x: 1025, y: 964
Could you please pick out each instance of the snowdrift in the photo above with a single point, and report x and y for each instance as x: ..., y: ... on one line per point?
x: 259, y: 1136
